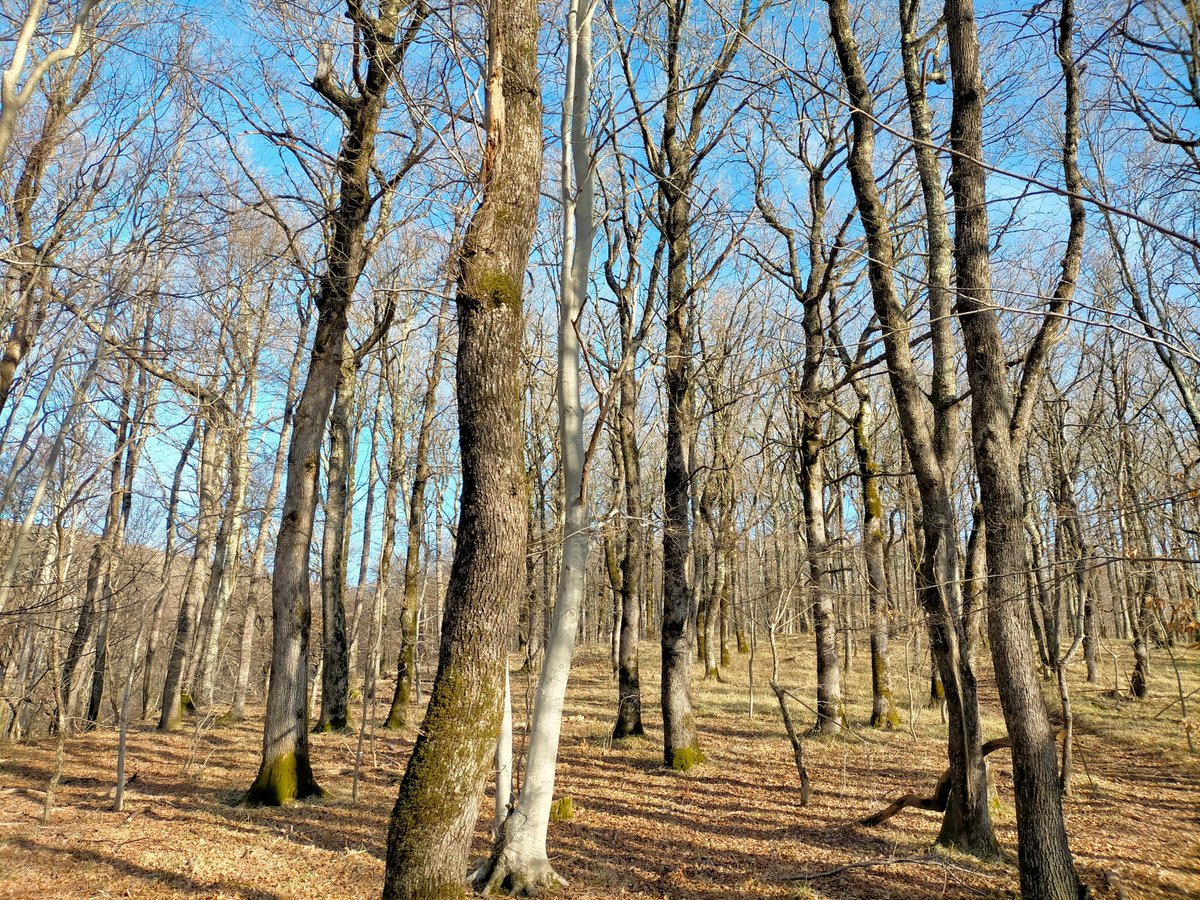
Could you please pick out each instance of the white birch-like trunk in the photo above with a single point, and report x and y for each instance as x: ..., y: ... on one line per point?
x: 504, y: 761
x: 15, y: 96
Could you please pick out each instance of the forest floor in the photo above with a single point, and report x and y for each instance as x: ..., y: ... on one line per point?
x: 732, y: 827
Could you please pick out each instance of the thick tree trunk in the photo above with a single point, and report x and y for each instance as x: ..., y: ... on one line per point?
x: 521, y: 862
x: 1047, y: 869
x: 431, y: 827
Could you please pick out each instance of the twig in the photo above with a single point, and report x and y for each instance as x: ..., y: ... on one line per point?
x: 868, y: 863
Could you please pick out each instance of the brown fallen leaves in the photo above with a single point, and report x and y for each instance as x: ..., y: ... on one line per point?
x: 732, y: 828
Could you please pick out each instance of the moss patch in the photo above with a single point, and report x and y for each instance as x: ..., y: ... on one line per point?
x: 687, y: 757
x: 286, y: 778
x: 500, y: 288
x: 562, y: 810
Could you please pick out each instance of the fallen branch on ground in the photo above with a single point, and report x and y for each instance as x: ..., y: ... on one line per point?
x: 941, y: 794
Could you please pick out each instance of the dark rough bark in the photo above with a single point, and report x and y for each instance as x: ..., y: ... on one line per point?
x: 335, y: 657
x: 114, y: 534
x: 831, y: 715
x: 83, y: 627
x: 681, y: 744
x: 629, y: 691
x: 430, y: 831
x: 967, y: 823
x: 674, y: 161
x: 1046, y: 866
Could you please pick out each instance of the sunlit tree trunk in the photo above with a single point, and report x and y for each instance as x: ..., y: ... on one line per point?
x: 430, y: 831
x: 1047, y: 869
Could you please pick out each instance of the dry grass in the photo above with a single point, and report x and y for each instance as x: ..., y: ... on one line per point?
x: 732, y: 828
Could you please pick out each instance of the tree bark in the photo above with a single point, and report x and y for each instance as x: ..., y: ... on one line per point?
x: 430, y: 831
x: 209, y: 485
x: 335, y: 673
x: 1047, y: 869
x: 967, y: 822
x: 285, y: 772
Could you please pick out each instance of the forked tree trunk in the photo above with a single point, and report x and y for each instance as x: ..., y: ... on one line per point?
x: 431, y: 827
x: 967, y: 822
x: 285, y: 773
x: 1047, y: 869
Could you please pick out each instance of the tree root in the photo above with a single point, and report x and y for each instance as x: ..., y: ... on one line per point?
x: 507, y: 874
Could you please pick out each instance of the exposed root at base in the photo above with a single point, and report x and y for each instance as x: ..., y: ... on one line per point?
x: 502, y: 874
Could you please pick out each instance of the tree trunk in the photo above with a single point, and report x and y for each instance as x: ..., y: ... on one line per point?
x: 168, y: 563
x: 406, y: 669
x: 285, y: 773
x: 883, y: 707
x: 430, y: 831
x: 1047, y: 869
x: 335, y: 674
x: 209, y: 477
x: 258, y: 572
x: 967, y: 822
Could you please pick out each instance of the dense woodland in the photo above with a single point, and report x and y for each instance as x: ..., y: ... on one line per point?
x: 362, y: 360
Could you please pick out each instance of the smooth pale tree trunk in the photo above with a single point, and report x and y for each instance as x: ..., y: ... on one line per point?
x: 222, y: 586
x: 831, y: 714
x: 1046, y: 866
x: 430, y: 831
x: 258, y: 572
x: 169, y: 553
x: 31, y: 258
x: 18, y: 86
x: 364, y: 562
x: 520, y: 864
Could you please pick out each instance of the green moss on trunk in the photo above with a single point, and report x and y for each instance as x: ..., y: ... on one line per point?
x: 687, y: 757
x: 282, y: 780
